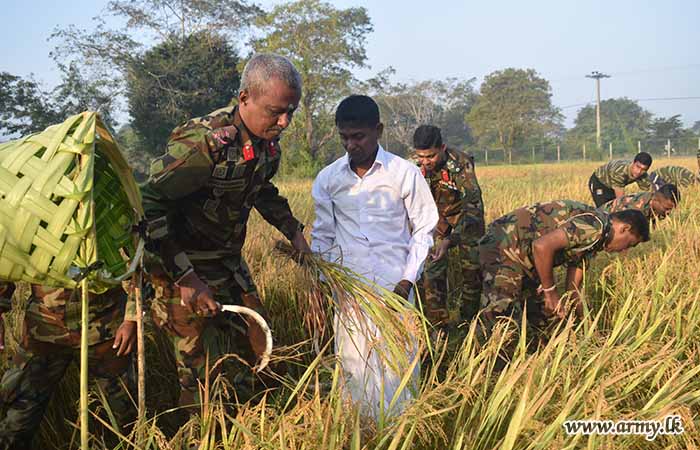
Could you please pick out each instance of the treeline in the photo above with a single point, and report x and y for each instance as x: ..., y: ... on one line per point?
x: 175, y: 59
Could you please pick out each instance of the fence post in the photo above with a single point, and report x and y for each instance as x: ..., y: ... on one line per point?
x: 610, y: 150
x: 639, y: 146
x: 558, y: 152
x: 668, y: 148
x: 486, y: 156
x: 584, y: 151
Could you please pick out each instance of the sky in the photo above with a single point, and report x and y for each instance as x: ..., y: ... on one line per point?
x: 650, y: 48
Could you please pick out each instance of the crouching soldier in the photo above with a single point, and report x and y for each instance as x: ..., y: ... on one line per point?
x: 50, y: 342
x: 519, y: 251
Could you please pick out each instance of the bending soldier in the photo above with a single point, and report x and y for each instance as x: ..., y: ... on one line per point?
x: 608, y: 181
x: 654, y: 205
x: 519, y: 251
x: 197, y: 202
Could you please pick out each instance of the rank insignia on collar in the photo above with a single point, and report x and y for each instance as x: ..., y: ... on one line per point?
x: 273, y: 149
x: 445, y: 175
x: 248, y: 152
x: 422, y: 170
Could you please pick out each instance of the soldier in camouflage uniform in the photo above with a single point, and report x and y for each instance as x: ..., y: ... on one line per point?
x: 609, y: 180
x: 452, y: 180
x: 197, y: 202
x: 654, y: 205
x: 519, y: 251
x: 50, y: 341
x: 680, y: 176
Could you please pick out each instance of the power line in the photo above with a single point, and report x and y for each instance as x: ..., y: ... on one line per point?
x: 636, y: 100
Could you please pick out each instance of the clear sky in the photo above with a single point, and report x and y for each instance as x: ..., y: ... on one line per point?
x: 651, y: 48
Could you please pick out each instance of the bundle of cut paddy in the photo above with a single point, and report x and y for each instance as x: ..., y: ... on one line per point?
x: 68, y: 200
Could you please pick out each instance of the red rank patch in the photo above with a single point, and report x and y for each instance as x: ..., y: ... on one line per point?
x: 445, y: 176
x: 273, y: 149
x: 248, y: 152
x: 422, y: 170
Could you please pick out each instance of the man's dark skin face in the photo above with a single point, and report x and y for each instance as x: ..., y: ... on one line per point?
x: 361, y: 142
x: 431, y: 158
x: 267, y: 113
x: 638, y: 169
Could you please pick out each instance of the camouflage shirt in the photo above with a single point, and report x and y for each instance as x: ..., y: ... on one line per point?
x: 200, y: 193
x: 616, y: 174
x: 680, y: 176
x: 639, y: 200
x: 59, y: 311
x: 586, y: 228
x: 458, y: 197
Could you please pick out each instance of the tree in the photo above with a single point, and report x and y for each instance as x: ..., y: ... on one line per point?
x: 444, y: 103
x: 325, y: 44
x: 623, y: 123
x: 25, y: 107
x: 176, y: 80
x: 514, y: 105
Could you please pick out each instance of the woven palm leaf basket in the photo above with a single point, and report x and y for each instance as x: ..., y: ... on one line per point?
x: 68, y: 202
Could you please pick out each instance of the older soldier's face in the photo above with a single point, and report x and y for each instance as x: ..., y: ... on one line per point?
x: 430, y: 158
x: 267, y: 113
x: 622, y: 238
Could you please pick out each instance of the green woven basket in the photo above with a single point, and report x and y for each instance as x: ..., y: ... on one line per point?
x: 68, y: 199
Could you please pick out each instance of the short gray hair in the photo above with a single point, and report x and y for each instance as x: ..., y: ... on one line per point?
x: 265, y: 66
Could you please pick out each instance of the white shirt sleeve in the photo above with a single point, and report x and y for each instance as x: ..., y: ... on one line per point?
x: 323, y: 231
x: 423, y: 217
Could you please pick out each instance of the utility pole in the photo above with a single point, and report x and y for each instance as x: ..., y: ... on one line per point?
x: 558, y: 152
x: 597, y: 76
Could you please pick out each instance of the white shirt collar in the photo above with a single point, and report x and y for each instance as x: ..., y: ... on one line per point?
x: 381, y: 158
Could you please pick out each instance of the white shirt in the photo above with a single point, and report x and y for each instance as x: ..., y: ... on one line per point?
x: 381, y: 225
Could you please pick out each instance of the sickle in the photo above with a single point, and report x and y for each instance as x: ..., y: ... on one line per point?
x: 265, y: 358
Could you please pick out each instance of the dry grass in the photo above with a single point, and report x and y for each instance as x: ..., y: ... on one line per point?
x: 634, y: 356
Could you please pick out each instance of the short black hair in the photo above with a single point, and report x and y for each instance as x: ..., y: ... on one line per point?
x: 427, y: 136
x: 357, y: 110
x: 670, y: 191
x: 643, y: 158
x: 636, y: 220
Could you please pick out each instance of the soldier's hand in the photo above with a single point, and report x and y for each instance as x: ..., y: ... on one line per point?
x: 299, y: 243
x: 552, y: 304
x: 197, y: 296
x: 403, y: 288
x: 441, y: 250
x: 125, y: 338
x: 2, y: 333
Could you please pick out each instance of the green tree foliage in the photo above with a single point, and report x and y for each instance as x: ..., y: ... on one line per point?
x: 25, y: 107
x: 176, y: 80
x: 325, y: 44
x: 623, y: 123
x: 514, y: 105
x: 444, y: 103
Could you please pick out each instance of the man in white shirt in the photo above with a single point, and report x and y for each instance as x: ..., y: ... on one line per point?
x: 375, y: 213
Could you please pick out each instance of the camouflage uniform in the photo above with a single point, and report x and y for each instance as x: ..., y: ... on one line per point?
x: 507, y: 264
x: 458, y: 198
x: 615, y: 174
x: 640, y: 201
x: 197, y: 202
x: 50, y: 342
x: 680, y: 176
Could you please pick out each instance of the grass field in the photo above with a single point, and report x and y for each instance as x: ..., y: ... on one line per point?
x: 634, y: 356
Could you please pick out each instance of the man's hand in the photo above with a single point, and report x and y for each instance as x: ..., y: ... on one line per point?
x: 196, y: 295
x: 403, y: 288
x: 125, y: 337
x: 2, y: 333
x: 552, y: 304
x: 299, y: 243
x: 441, y: 250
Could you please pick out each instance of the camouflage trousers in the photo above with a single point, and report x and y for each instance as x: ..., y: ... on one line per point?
x: 199, y: 341
x: 433, y: 285
x: 50, y: 342
x: 508, y: 292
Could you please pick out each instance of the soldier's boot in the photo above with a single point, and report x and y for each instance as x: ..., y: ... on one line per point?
x: 25, y: 391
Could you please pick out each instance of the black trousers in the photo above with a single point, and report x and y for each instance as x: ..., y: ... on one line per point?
x: 601, y: 193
